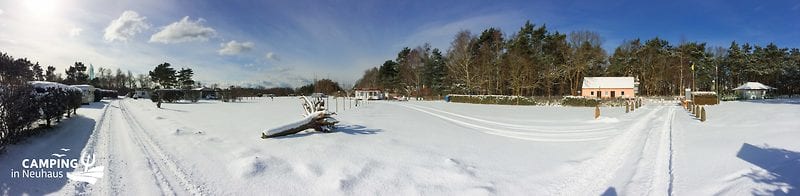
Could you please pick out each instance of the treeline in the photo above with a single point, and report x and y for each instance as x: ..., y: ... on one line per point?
x: 78, y: 74
x: 537, y: 61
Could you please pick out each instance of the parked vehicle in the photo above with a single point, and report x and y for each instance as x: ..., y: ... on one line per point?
x: 88, y: 93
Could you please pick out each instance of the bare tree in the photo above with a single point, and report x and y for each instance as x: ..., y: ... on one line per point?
x: 460, y: 61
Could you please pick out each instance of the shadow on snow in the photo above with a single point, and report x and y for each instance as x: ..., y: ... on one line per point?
x: 782, y: 168
x: 72, y: 134
x: 611, y: 191
x: 347, y: 129
x: 774, y: 101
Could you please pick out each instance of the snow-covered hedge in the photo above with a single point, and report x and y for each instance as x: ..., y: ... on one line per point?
x: 705, y: 98
x: 21, y: 106
x: 580, y: 101
x: 492, y: 99
x: 521, y: 100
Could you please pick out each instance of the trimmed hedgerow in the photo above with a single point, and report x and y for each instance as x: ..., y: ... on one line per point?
x: 492, y: 99
x: 580, y: 101
x: 22, y: 105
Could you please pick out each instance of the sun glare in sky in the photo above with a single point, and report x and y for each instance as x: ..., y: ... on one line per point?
x: 40, y: 8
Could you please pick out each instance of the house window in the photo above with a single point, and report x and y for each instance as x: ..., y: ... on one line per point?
x: 592, y: 92
x: 622, y: 93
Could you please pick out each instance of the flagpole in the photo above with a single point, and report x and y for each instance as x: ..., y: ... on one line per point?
x: 693, y: 83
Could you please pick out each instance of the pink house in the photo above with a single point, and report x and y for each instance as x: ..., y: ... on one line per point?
x: 608, y: 87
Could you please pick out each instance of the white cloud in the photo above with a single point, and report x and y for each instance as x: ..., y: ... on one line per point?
x: 75, y: 31
x: 272, y: 56
x: 125, y: 27
x: 184, y: 30
x: 233, y: 47
x: 1, y: 12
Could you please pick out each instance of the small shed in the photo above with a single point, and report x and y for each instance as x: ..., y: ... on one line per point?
x: 752, y: 90
x: 608, y: 87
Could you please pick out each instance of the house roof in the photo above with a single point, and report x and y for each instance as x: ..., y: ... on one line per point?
x: 753, y: 86
x: 608, y: 82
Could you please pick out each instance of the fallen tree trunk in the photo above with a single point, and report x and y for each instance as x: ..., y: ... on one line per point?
x: 319, y: 120
x: 308, y: 122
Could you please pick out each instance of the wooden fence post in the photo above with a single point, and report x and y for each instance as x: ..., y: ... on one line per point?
x: 596, y: 111
x: 702, y: 114
x: 627, y: 107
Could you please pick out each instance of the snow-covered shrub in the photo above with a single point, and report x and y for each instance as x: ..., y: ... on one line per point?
x: 54, y: 100
x: 193, y: 96
x: 17, y: 111
x: 99, y: 94
x: 493, y: 99
x: 580, y: 101
x: 52, y: 103
x: 74, y: 101
x: 154, y: 97
x: 705, y: 98
x: 169, y: 95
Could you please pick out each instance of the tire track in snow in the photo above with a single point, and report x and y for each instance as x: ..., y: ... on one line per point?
x: 594, y: 175
x: 532, y: 136
x: 651, y: 168
x: 166, y: 169
x: 91, y: 145
x: 544, y: 129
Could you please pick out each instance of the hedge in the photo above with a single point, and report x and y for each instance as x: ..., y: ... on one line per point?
x: 21, y: 106
x: 520, y: 100
x: 492, y: 99
x: 580, y: 101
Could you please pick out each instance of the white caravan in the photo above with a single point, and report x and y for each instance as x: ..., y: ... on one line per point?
x: 88, y: 93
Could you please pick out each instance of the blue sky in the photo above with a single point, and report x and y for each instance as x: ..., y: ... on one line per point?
x: 288, y: 43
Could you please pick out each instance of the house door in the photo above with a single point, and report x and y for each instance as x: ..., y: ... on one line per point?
x: 613, y: 93
x: 599, y: 94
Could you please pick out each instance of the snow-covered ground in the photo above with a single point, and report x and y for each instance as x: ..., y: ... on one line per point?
x: 429, y: 148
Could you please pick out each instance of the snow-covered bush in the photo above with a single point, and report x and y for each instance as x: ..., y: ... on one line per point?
x: 580, y: 101
x: 493, y: 99
x: 17, y: 111
x: 23, y: 105
x: 154, y: 97
x: 705, y: 98
x: 169, y: 95
x: 74, y: 101
x: 52, y: 103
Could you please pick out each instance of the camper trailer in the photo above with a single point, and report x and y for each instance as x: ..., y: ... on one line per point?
x: 88, y: 93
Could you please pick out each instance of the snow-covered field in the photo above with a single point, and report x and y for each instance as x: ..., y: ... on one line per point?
x: 428, y: 148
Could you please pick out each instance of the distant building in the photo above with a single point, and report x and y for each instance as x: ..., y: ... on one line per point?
x: 752, y: 90
x: 369, y: 94
x: 608, y: 87
x: 141, y: 94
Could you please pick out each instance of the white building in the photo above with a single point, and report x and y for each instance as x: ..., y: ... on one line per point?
x: 752, y: 90
x: 608, y: 87
x: 369, y: 94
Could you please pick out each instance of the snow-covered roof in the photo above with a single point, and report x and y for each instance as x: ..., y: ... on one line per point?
x: 700, y: 93
x: 46, y: 84
x: 753, y: 86
x: 608, y: 82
